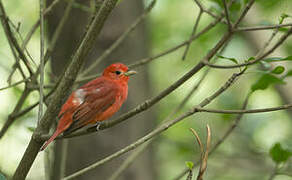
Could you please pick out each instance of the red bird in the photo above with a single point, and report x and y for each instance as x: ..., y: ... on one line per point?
x: 95, y: 101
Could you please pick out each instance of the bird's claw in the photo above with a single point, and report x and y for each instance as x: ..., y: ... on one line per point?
x: 97, y: 126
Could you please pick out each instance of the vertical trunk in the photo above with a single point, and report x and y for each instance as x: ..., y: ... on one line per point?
x: 86, y: 150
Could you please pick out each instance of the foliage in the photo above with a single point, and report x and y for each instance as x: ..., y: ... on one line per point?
x: 279, y: 154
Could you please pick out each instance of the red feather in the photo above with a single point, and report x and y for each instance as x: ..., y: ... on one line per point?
x: 95, y: 101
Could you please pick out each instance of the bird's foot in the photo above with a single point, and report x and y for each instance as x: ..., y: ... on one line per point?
x: 97, y: 126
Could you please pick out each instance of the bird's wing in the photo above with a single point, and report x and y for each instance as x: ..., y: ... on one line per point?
x: 97, y: 99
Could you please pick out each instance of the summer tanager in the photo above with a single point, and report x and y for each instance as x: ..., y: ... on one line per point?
x: 95, y: 101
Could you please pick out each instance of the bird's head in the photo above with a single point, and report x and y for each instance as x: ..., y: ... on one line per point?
x: 118, y: 71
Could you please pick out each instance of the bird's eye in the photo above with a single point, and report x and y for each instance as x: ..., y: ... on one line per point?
x: 118, y: 72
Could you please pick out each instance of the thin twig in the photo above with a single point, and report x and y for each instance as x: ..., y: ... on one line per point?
x: 126, y: 163
x: 63, y: 89
x: 15, y: 66
x: 16, y: 109
x: 15, y: 84
x: 42, y: 64
x: 259, y: 28
x: 200, y: 5
x: 274, y: 172
x: 144, y: 61
x: 257, y: 59
x: 283, y: 107
x: 58, y: 31
x: 148, y: 103
x: 33, y: 80
x: 10, y: 37
x: 36, y: 24
x: 26, y: 110
x: 193, y: 33
x: 116, y: 44
x: 227, y: 15
x: 223, y: 138
x: 244, y: 12
x: 158, y: 130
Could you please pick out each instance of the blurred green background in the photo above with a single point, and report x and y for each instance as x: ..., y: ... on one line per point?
x: 244, y: 155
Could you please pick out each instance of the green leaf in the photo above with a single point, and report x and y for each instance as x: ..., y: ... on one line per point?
x: 273, y: 59
x: 251, y: 58
x: 278, y: 70
x: 227, y: 58
x: 2, y: 177
x: 265, y: 81
x: 190, y: 164
x: 283, y: 29
x: 278, y: 154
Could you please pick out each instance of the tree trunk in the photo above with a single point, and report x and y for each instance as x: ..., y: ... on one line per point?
x: 85, y: 150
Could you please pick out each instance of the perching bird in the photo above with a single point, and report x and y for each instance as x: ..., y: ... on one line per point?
x: 95, y: 101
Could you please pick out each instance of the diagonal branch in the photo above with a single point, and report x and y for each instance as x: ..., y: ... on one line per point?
x: 116, y: 44
x: 257, y: 59
x: 63, y: 89
x: 10, y: 37
x: 223, y: 138
x: 160, y: 129
x: 136, y: 153
x: 36, y: 24
x: 193, y: 33
x: 150, y: 102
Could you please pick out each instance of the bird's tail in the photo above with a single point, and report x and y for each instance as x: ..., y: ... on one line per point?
x: 56, y: 134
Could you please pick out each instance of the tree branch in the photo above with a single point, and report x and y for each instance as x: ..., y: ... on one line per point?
x: 116, y: 44
x: 283, y: 107
x: 10, y: 37
x: 64, y: 88
x: 158, y: 130
x: 230, y: 28
x: 222, y: 139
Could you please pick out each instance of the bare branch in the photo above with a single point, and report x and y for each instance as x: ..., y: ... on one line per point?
x: 63, y: 89
x: 136, y: 153
x: 42, y: 64
x: 230, y: 28
x: 223, y: 138
x: 283, y: 107
x: 10, y: 37
x: 16, y: 109
x: 15, y: 84
x: 258, y: 28
x: 35, y: 26
x: 148, y: 103
x: 158, y: 130
x: 193, y: 33
x: 242, y: 15
x: 166, y: 52
x: 116, y: 44
x: 274, y: 172
x: 128, y: 161
x: 256, y: 60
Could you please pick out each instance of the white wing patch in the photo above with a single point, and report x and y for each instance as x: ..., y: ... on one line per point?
x: 79, y: 96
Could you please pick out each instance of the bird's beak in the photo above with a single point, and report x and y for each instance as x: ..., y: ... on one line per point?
x: 130, y: 73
